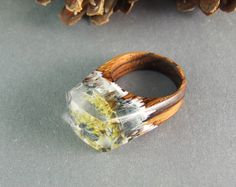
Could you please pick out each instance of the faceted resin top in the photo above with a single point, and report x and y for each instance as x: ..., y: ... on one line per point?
x: 100, y: 115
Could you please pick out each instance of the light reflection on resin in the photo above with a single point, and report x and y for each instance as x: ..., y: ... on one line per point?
x: 100, y: 115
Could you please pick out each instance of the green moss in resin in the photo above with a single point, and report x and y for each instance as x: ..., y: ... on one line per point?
x: 101, y: 135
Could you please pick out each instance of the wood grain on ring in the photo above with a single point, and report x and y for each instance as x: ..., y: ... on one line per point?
x: 164, y: 107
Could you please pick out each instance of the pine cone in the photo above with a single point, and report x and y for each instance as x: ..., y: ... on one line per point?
x: 207, y: 6
x: 98, y: 10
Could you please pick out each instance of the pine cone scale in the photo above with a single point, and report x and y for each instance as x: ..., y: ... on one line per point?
x: 96, y: 10
x: 69, y: 18
x: 209, y: 6
x: 100, y: 10
x: 228, y: 5
x: 187, y: 5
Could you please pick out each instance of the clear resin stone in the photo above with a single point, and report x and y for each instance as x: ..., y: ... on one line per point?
x: 101, y: 116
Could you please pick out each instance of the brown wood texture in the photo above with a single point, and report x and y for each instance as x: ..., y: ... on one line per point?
x: 164, y: 107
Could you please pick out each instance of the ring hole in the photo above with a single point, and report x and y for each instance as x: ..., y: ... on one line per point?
x: 147, y: 83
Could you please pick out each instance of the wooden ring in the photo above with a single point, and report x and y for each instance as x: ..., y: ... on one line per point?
x: 105, y: 116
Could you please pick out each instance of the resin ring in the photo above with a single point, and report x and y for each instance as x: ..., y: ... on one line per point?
x: 105, y: 116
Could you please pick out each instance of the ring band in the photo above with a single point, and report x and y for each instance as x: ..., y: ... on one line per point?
x: 105, y: 116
